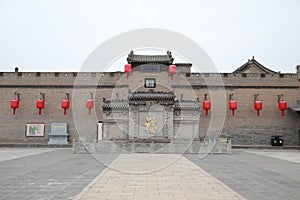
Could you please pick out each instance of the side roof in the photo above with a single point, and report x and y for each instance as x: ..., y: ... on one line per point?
x: 253, y: 66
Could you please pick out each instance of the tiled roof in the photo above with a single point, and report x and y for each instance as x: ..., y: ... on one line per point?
x: 143, y: 59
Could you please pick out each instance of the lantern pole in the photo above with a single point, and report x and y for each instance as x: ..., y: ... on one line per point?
x: 279, y: 97
x: 17, y: 96
x: 230, y: 96
x: 67, y: 96
x: 42, y: 96
x: 255, y: 97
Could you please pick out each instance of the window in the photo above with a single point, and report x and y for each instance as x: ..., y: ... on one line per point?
x: 150, y: 83
x: 244, y: 75
x: 187, y: 74
x: 281, y: 75
x: 19, y: 73
x: 38, y: 74
x: 263, y: 75
x: 56, y: 74
x: 74, y: 74
x: 225, y: 75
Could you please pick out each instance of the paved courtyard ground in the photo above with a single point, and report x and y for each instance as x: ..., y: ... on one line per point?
x: 59, y: 174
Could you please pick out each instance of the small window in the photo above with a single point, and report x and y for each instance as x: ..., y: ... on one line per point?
x: 19, y: 73
x: 1, y: 73
x: 262, y: 75
x: 74, y: 74
x: 281, y: 75
x: 150, y: 83
x: 225, y: 75
x: 38, y: 74
x: 244, y: 75
x: 93, y: 74
x: 112, y: 74
x: 187, y: 74
x: 56, y: 74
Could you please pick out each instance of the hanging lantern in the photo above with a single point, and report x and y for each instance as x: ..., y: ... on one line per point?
x: 128, y: 69
x: 282, y: 105
x: 89, y: 105
x: 206, y: 104
x: 258, y: 106
x: 232, y: 106
x: 40, y: 103
x: 172, y: 70
x: 15, y: 103
x: 65, y: 104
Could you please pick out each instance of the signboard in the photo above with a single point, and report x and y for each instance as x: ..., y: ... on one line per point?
x: 35, y: 130
x: 58, y: 128
x: 150, y: 68
x: 150, y: 83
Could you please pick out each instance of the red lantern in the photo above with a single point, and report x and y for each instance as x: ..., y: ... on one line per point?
x: 282, y: 105
x: 258, y: 106
x: 14, y: 104
x: 65, y: 104
x: 40, y: 104
x: 128, y: 69
x: 232, y: 106
x: 206, y: 106
x: 172, y: 70
x: 89, y: 105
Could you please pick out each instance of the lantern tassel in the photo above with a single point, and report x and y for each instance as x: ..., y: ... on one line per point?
x: 257, y: 112
x: 206, y: 112
x: 89, y: 111
x: 65, y: 111
x: 232, y: 112
x: 40, y: 112
x: 14, y: 111
x: 282, y: 113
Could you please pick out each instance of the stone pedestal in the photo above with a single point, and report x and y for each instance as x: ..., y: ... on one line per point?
x: 58, y: 134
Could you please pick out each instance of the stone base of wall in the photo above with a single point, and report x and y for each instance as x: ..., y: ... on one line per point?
x: 262, y: 135
x: 175, y: 146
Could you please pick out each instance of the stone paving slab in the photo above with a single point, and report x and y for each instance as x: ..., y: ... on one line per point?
x: 181, y: 179
x: 255, y: 176
x: 288, y: 155
x: 57, y: 174
x: 9, y: 154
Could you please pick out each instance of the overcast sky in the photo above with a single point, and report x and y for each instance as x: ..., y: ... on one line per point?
x: 58, y: 35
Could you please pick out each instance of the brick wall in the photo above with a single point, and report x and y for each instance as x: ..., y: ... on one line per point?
x: 244, y: 128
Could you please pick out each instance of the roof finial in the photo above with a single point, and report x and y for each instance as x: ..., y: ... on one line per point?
x: 252, y: 57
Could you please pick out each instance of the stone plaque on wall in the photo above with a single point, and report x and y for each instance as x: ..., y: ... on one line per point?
x: 151, y: 124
